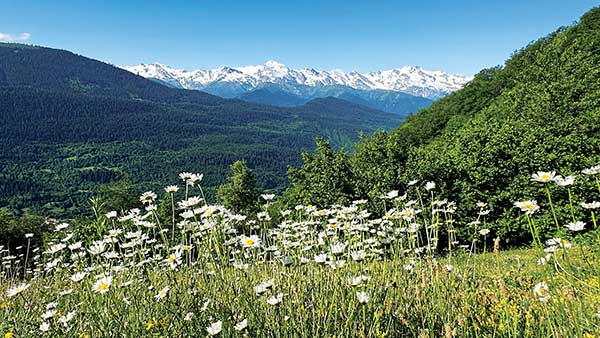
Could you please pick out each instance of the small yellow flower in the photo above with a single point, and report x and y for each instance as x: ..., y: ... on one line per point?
x: 8, y: 334
x: 151, y: 323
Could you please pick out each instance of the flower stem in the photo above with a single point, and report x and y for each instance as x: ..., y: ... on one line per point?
x: 552, y: 208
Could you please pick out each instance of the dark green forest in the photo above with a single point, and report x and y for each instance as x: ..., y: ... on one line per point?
x: 73, y: 127
x: 538, y: 112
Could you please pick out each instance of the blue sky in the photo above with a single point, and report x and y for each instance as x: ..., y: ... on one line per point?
x: 454, y: 36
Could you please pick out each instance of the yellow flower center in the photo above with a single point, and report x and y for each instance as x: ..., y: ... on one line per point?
x: 249, y: 241
x: 332, y: 225
x: 103, y: 287
x: 209, y: 212
x: 171, y: 258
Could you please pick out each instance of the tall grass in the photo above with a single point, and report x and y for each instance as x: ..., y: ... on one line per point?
x: 187, y: 268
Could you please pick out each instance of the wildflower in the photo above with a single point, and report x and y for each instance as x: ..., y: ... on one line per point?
x: 564, y: 182
x: 338, y: 248
x: 28, y: 235
x: 66, y: 318
x: 268, y: 197
x: 413, y: 182
x: 481, y: 205
x: 484, y: 232
x: 355, y: 281
x: 543, y: 176
x: 171, y: 189
x: 77, y: 277
x: 162, y: 293
x: 429, y: 186
x: 592, y: 205
x: 391, y: 195
x: 188, y: 316
x: 111, y: 214
x: 241, y: 325
x: 320, y: 258
x: 112, y: 233
x: 190, y: 202
x: 363, y: 297
x: 48, y: 314
x: 408, y: 214
x: 215, y: 328
x: 576, y: 226
x: 102, y: 285
x: 148, y: 197
x: 264, y: 286
x: 528, y: 207
x: 8, y: 334
x: 195, y: 179
x: 56, y: 248
x: 17, y: 289
x: 263, y: 216
x: 541, y: 291
x: 66, y: 292
x: 449, y: 267
x: 61, y: 226
x: 250, y: 242
x: 44, y: 327
x: 274, y: 300
x: 408, y: 267
x: 358, y: 255
x: 75, y: 246
x: 591, y: 171
x: 174, y: 259
x: 97, y: 248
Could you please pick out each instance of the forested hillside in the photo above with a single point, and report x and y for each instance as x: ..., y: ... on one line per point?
x: 73, y: 127
x: 541, y: 110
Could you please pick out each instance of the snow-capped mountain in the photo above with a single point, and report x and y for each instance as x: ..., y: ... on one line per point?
x: 235, y: 81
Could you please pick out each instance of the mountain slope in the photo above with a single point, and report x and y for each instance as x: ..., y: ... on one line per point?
x: 481, y: 143
x: 71, y: 123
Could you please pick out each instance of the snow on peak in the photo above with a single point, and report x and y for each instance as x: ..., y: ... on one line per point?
x: 413, y: 80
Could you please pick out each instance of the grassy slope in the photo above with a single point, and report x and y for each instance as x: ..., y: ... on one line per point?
x: 483, y: 295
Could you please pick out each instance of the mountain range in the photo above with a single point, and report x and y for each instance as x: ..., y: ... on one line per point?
x: 402, y: 90
x: 72, y: 125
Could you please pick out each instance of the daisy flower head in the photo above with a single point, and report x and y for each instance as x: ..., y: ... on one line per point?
x: 268, y: 197
x: 102, y: 285
x: 543, y: 176
x: 528, y: 207
x: 592, y: 170
x: 162, y: 293
x: 148, y: 197
x: 250, y: 241
x: 15, y: 290
x: 564, y: 182
x: 576, y: 226
x: 215, y: 328
x: 363, y: 297
x: 171, y: 189
x: 591, y: 205
x: 274, y: 300
x: 542, y: 291
x: 241, y: 325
